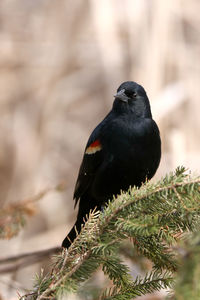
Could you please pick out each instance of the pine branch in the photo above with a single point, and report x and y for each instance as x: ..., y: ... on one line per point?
x: 152, y: 207
x: 187, y: 284
x: 154, y: 281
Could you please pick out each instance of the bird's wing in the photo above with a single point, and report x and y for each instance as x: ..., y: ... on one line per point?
x: 92, y: 158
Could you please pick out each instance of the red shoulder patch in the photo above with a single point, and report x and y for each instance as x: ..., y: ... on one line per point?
x: 94, y: 147
x: 95, y: 144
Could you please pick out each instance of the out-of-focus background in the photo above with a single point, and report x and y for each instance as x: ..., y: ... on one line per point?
x: 61, y: 62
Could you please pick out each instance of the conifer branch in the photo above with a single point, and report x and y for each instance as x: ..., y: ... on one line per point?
x: 153, y: 281
x: 154, y: 216
x: 188, y: 285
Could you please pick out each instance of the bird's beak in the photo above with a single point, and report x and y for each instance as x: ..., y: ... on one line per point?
x: 121, y: 96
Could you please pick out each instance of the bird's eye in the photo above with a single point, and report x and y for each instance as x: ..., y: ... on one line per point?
x: 134, y: 95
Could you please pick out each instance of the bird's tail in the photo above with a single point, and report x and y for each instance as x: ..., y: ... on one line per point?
x: 84, y: 208
x: 72, y: 234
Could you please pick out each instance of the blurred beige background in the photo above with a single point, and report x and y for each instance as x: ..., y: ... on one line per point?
x: 61, y: 63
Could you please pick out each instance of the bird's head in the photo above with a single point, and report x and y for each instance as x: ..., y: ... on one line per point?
x: 132, y: 98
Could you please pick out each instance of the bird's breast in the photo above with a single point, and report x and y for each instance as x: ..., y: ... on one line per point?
x: 131, y: 154
x: 125, y: 136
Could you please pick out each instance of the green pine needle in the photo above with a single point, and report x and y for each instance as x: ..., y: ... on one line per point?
x: 155, y: 217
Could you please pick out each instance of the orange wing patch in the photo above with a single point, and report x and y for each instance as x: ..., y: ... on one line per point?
x: 94, y: 147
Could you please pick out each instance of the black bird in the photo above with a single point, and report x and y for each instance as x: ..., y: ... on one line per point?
x: 123, y: 150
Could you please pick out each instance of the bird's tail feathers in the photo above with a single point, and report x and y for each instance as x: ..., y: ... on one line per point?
x: 72, y: 234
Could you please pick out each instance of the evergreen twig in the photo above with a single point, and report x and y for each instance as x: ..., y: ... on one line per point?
x: 154, y: 216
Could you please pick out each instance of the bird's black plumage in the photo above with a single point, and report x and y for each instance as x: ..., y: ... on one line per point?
x: 123, y: 150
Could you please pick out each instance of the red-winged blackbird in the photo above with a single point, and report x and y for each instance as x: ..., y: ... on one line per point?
x: 123, y: 150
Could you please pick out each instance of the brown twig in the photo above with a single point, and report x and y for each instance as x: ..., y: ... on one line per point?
x: 12, y: 216
x: 13, y: 263
x: 18, y: 204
